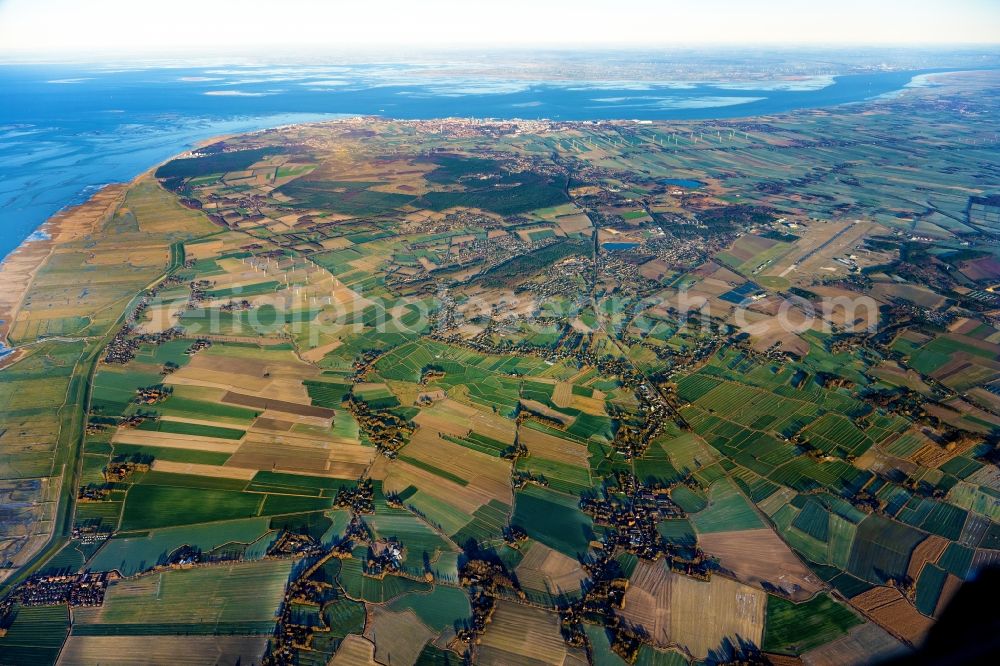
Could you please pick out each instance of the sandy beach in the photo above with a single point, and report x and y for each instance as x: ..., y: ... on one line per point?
x: 20, y: 267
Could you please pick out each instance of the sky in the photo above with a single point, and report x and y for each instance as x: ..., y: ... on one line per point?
x: 187, y: 26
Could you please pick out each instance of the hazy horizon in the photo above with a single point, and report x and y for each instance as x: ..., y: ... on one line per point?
x: 52, y: 27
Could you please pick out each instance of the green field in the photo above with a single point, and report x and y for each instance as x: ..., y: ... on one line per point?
x: 360, y: 586
x: 553, y: 519
x: 236, y: 598
x: 442, y: 608
x: 881, y: 549
x: 35, y: 636
x: 130, y: 555
x: 727, y: 510
x: 792, y: 628
x: 193, y: 429
x: 149, y: 505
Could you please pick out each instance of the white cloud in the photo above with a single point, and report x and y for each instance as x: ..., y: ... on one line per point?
x: 667, y: 103
x: 326, y: 83
x: 260, y: 26
x: 237, y: 93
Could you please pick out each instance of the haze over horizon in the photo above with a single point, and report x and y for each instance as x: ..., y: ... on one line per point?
x: 50, y: 27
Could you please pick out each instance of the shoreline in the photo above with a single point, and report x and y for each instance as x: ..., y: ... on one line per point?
x: 20, y: 267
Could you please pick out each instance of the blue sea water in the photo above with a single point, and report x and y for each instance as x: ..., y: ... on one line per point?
x: 67, y: 130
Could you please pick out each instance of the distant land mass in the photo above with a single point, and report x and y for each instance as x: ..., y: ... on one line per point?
x: 128, y: 117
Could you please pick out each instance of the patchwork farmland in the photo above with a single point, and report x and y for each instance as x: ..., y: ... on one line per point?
x: 393, y: 392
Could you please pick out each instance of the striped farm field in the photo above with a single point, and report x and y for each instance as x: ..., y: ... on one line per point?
x: 697, y: 615
x: 197, y: 650
x: 519, y: 633
x: 796, y: 628
x: 35, y: 635
x: 236, y: 598
x: 727, y: 510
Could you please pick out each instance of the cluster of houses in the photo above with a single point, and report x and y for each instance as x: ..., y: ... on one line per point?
x: 85, y: 589
x: 633, y: 514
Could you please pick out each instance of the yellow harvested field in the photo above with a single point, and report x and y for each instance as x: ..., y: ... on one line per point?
x: 759, y: 556
x: 354, y: 651
x: 488, y: 477
x: 522, y: 635
x: 890, y: 609
x: 221, y: 380
x: 562, y: 395
x: 454, y: 418
x: 292, y: 454
x: 179, y: 650
x: 289, y: 415
x: 175, y: 441
x: 158, y: 318
x: 694, y: 614
x: 277, y: 380
x: 316, y: 354
x: 555, y: 448
x: 864, y: 644
x: 399, y: 475
x: 219, y: 471
x: 594, y: 406
x: 338, y: 243
x: 276, y: 431
x: 398, y: 637
x: 766, y: 329
x: 928, y: 550
x: 547, y: 412
x: 545, y: 569
x: 253, y: 363
x: 574, y: 223
x: 204, y: 249
x: 239, y: 275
